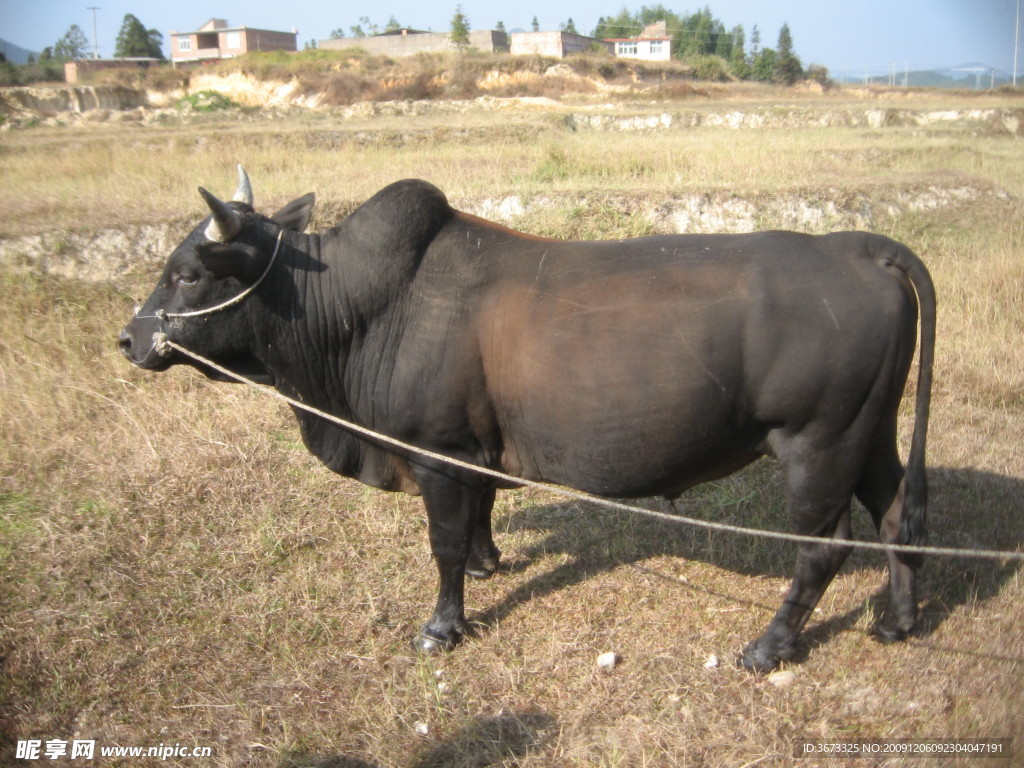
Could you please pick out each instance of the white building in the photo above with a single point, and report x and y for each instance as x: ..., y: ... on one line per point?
x: 653, y: 44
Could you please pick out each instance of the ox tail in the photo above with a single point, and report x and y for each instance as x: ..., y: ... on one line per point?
x: 913, y: 521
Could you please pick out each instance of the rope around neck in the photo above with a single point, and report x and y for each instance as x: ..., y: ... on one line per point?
x: 591, y: 498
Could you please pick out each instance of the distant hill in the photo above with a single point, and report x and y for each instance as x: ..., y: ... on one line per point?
x: 966, y: 76
x: 16, y: 54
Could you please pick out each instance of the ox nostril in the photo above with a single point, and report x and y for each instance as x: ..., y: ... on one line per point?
x: 124, y: 342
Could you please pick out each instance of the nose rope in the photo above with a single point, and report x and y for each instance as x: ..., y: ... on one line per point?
x: 162, y: 345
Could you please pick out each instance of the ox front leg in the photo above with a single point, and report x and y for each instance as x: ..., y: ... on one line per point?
x: 454, y: 502
x: 817, y: 564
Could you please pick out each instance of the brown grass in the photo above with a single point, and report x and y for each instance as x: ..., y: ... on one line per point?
x: 175, y: 568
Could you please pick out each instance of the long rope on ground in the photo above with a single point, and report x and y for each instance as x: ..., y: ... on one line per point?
x: 572, y: 493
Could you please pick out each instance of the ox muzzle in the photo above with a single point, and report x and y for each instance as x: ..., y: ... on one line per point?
x: 143, y: 341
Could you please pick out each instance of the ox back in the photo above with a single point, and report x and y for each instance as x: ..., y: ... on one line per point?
x: 622, y: 368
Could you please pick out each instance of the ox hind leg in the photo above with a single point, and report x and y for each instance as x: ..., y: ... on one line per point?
x: 819, y: 491
x: 881, y: 490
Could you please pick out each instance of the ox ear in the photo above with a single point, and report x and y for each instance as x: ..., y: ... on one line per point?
x: 232, y: 260
x: 296, y: 215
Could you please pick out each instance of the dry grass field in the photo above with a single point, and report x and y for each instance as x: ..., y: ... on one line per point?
x: 175, y: 569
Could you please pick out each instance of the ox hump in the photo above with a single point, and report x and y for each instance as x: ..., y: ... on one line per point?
x: 407, y: 213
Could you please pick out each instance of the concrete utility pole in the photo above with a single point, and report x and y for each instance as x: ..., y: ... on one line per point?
x: 1016, y: 45
x: 95, y: 39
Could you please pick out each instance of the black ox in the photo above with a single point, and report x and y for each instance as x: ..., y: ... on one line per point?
x: 624, y: 368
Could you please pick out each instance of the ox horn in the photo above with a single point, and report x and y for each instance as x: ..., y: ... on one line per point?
x: 226, y: 223
x: 244, y: 192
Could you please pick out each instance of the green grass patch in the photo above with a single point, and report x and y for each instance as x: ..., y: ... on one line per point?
x: 207, y: 101
x: 18, y: 523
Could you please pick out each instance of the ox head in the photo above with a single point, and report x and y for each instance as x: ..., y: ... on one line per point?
x: 222, y: 259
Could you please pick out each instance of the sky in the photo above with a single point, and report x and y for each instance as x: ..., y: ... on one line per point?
x: 849, y: 37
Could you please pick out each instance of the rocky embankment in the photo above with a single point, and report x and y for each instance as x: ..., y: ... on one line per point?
x: 70, y: 105
x: 108, y: 254
x: 20, y: 104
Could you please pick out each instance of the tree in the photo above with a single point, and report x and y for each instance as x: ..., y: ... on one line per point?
x: 8, y: 73
x: 819, y: 74
x: 738, y: 64
x: 788, y: 68
x: 74, y: 44
x: 392, y: 25
x: 703, y: 40
x: 570, y: 27
x: 371, y: 28
x: 755, y: 46
x: 499, y: 27
x: 724, y: 44
x: 535, y: 24
x: 610, y: 27
x: 134, y: 40
x: 764, y: 67
x: 460, y: 28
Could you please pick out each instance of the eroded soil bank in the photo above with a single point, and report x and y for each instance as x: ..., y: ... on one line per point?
x: 108, y: 253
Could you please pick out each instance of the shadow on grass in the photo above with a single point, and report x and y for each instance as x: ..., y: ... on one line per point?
x: 967, y: 509
x: 484, y: 741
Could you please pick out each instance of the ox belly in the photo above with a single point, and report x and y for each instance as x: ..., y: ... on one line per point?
x: 626, y: 390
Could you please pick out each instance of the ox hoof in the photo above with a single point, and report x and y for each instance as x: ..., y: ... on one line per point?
x: 761, y: 657
x: 483, y: 566
x: 430, y: 642
x: 888, y: 634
